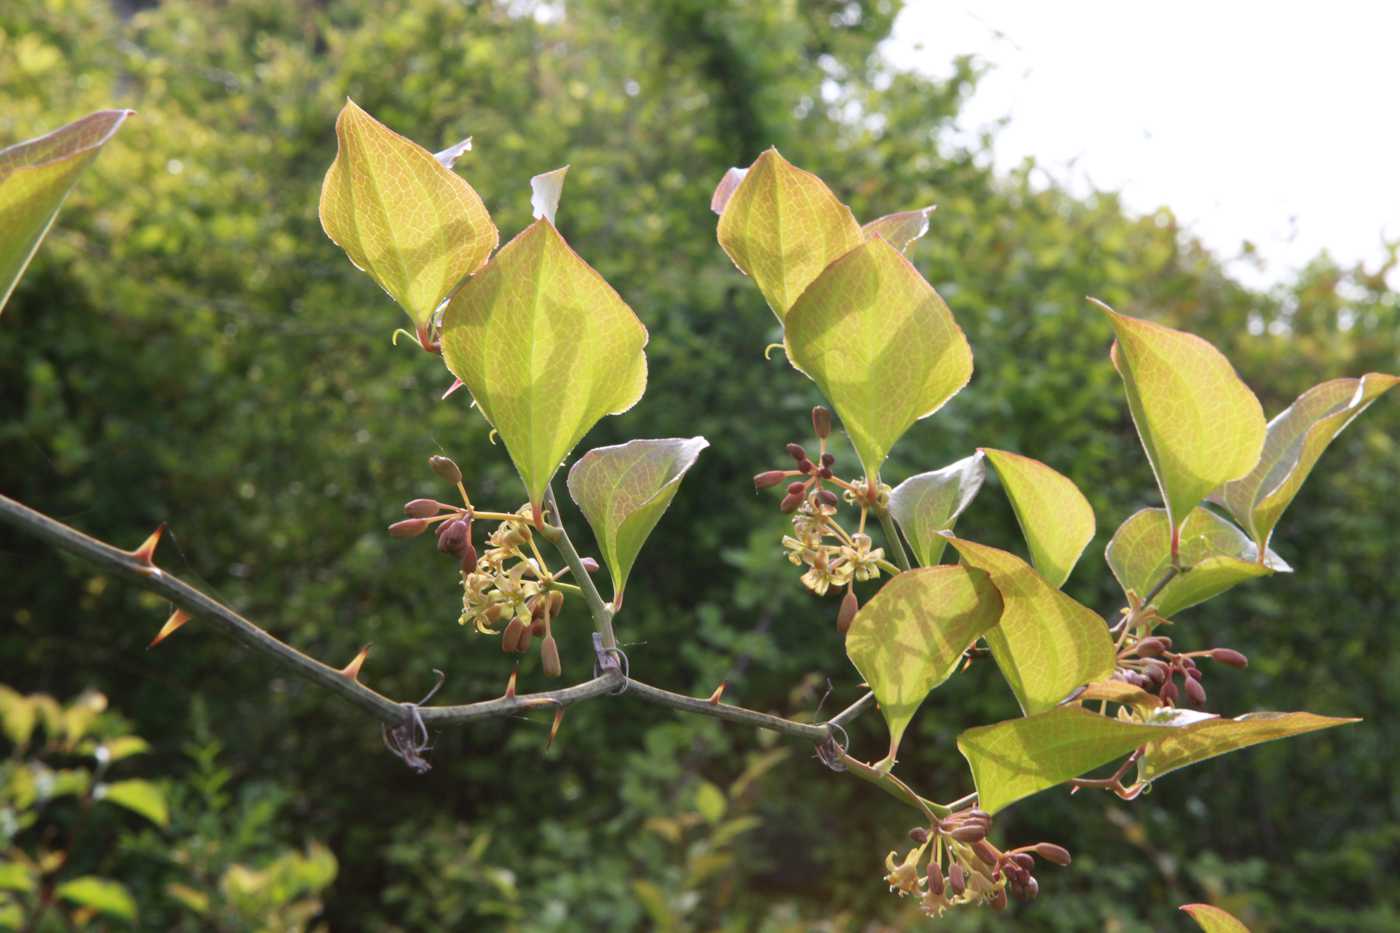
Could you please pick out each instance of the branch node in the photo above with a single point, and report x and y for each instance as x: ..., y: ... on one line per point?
x: 830, y: 751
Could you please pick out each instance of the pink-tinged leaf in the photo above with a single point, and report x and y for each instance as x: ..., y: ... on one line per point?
x: 900, y: 229
x: 726, y: 188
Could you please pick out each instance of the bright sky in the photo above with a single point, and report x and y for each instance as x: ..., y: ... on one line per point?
x: 1275, y: 122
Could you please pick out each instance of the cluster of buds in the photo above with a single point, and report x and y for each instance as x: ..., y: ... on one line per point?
x: 508, y: 590
x: 833, y: 558
x: 963, y: 867
x: 1151, y: 664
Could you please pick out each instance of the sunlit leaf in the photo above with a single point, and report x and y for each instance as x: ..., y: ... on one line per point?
x: 901, y: 229
x: 1213, y: 919
x: 18, y: 876
x: 1218, y: 554
x: 928, y: 504
x: 1117, y: 691
x: 911, y: 635
x: 35, y: 177
x: 880, y: 343
x: 1055, y: 518
x: 1200, y: 736
x: 710, y: 802
x: 413, y: 225
x: 100, y: 894
x: 546, y: 347
x: 1013, y: 759
x: 123, y: 747
x: 18, y: 716
x: 782, y: 226
x: 1296, y: 439
x: 138, y: 796
x: 1200, y: 425
x: 1045, y: 644
x: 625, y: 489
x: 545, y: 191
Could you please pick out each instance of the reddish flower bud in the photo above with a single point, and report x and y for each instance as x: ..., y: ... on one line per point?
x: 827, y: 497
x: 589, y: 564
x: 828, y: 459
x: 1229, y: 656
x: 454, y: 538
x: 408, y: 528
x: 422, y: 508
x: 919, y: 835
x: 1168, y: 692
x: 1058, y: 855
x: 510, y: 638
x: 796, y: 489
x: 444, y: 467
x: 825, y: 473
x: 468, y: 557
x: 526, y: 637
x: 796, y: 452
x: 999, y: 900
x: 956, y: 880
x: 935, y: 879
x: 821, y: 421
x: 769, y: 479
x: 1027, y: 891
x: 1025, y: 860
x: 790, y: 503
x: 847, y: 613
x: 537, y: 628
x: 982, y: 848
x: 1150, y: 647
x: 1195, y: 692
x: 1194, y: 673
x: 805, y: 467
x: 549, y: 657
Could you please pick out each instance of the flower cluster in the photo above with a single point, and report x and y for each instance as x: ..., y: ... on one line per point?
x: 962, y: 867
x: 1150, y: 664
x: 833, y: 557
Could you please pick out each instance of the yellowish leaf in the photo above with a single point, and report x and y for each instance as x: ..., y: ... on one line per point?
x: 1213, y: 919
x: 413, y: 225
x: 1200, y: 736
x: 880, y: 343
x: 546, y: 347
x: 900, y: 229
x: 929, y: 504
x: 1056, y: 519
x: 782, y: 226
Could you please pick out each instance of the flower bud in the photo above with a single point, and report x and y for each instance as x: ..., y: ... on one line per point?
x: 821, y: 421
x: 769, y: 479
x: 556, y: 602
x: 1229, y: 656
x: 1057, y: 855
x: 805, y: 467
x: 827, y: 497
x: 983, y: 850
x: 454, y: 538
x: 935, y: 878
x: 1195, y: 692
x: 421, y: 508
x: 828, y: 459
x: 796, y: 489
x: 589, y: 564
x: 847, y: 613
x: 790, y: 503
x: 408, y: 528
x: 537, y: 628
x: 549, y: 657
x: 969, y: 832
x: 1150, y: 647
x: 1157, y: 672
x: 1026, y: 891
x: 1194, y: 673
x: 526, y: 637
x: 919, y: 835
x: 999, y: 900
x: 1168, y: 692
x: 445, y: 468
x: 469, y: 557
x: 825, y: 473
x: 510, y: 638
x: 1025, y: 860
x: 956, y: 880
x: 796, y: 452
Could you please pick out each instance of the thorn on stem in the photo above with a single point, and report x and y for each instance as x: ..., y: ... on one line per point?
x: 352, y: 670
x: 456, y: 384
x: 554, y: 729
x: 177, y: 618
x: 146, y: 553
x: 719, y: 693
x: 510, y: 685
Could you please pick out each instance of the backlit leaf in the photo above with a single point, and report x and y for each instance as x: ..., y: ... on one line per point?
x: 35, y: 177
x: 1046, y: 644
x: 625, y: 489
x: 1013, y: 759
x: 1118, y: 691
x: 411, y: 223
x: 546, y: 348
x: 880, y: 343
x: 782, y: 226
x: 1200, y: 736
x: 1296, y: 439
x: 1213, y: 919
x: 1055, y: 518
x: 1219, y: 555
x: 726, y: 188
x: 901, y: 229
x: 18, y: 716
x: 138, y: 796
x: 1200, y: 425
x: 545, y: 191
x: 710, y: 802
x: 911, y: 635
x: 930, y: 503
x: 100, y: 894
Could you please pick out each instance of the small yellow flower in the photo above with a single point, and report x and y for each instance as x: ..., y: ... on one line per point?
x: 904, y: 876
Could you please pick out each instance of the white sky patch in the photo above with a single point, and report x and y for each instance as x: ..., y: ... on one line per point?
x: 1275, y: 123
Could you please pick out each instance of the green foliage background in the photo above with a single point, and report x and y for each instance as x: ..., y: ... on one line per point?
x: 189, y: 347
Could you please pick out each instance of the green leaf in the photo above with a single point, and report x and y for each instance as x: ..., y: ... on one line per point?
x: 900, y: 229
x: 911, y: 635
x: 782, y: 226
x: 880, y: 343
x: 17, y: 715
x: 546, y: 348
x: 35, y: 177
x: 1013, y: 759
x: 18, y: 876
x: 930, y: 503
x: 710, y: 802
x: 625, y: 489
x: 1200, y: 425
x: 100, y: 894
x: 1055, y: 518
x: 1046, y: 644
x: 1218, y: 554
x: 411, y: 223
x: 1213, y: 919
x: 1200, y: 736
x: 123, y: 747
x: 138, y: 796
x: 1295, y: 441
